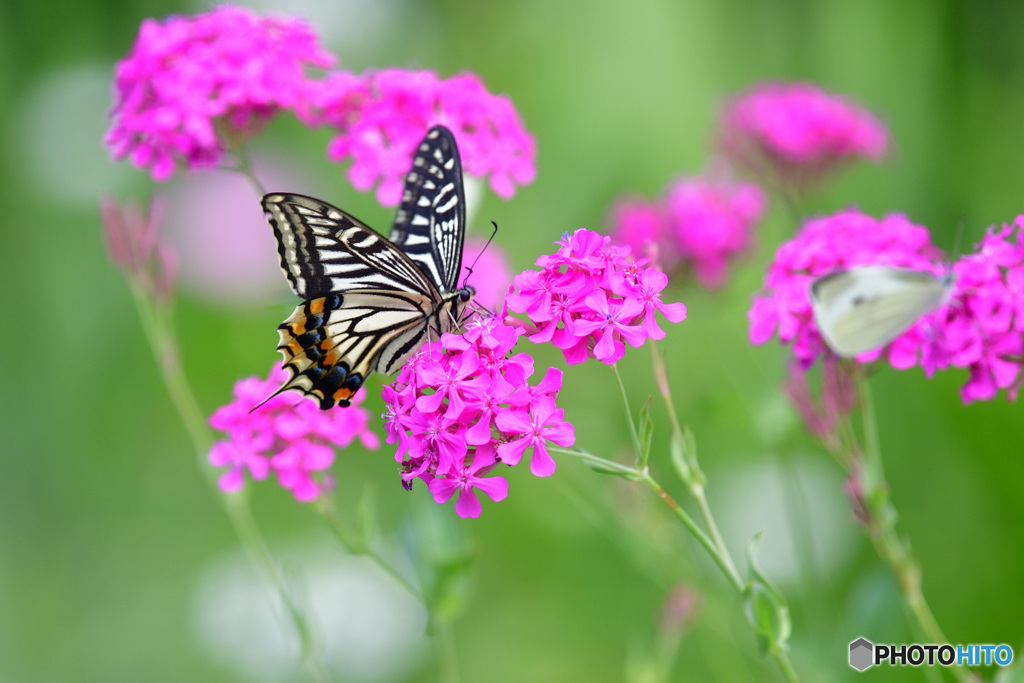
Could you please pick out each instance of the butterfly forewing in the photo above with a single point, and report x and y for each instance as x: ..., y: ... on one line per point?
x: 431, y: 220
x: 371, y: 302
x: 324, y: 249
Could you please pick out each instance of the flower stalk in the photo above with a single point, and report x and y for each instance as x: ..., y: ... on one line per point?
x: 158, y: 325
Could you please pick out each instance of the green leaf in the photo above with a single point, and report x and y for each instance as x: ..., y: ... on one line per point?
x: 645, y: 431
x: 765, y: 605
x: 602, y: 466
x: 677, y: 451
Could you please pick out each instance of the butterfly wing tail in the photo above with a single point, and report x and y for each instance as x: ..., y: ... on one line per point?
x: 311, y: 357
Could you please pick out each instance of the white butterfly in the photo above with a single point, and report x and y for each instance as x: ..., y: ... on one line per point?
x: 865, y: 308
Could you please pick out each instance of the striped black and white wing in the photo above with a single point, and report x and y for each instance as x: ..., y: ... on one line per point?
x: 332, y: 343
x: 431, y: 220
x: 323, y: 249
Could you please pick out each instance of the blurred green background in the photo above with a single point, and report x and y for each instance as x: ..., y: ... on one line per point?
x: 116, y: 560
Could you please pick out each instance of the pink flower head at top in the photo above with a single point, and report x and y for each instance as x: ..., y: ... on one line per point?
x: 187, y: 79
x: 463, y: 405
x: 793, y: 135
x: 287, y: 435
x: 827, y: 244
x: 590, y: 299
x: 712, y: 223
x: 380, y: 117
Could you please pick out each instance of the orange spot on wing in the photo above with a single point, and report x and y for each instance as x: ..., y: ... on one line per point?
x: 316, y: 306
x: 299, y: 327
x: 342, y: 396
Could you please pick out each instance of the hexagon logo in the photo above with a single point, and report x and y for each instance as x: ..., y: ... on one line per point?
x: 861, y: 654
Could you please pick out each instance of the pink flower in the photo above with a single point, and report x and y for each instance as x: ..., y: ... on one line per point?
x: 793, y: 134
x: 456, y: 405
x: 381, y: 117
x: 185, y: 76
x: 646, y: 228
x: 465, y: 478
x: 543, y: 423
x: 589, y: 298
x: 980, y: 327
x: 294, y: 440
x: 136, y: 247
x: 712, y: 223
x: 701, y: 223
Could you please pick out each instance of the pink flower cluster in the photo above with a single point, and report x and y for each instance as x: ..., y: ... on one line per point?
x: 590, y: 297
x: 701, y: 223
x: 288, y: 435
x: 462, y: 405
x: 381, y: 117
x: 793, y: 134
x: 980, y: 327
x: 187, y: 76
x: 191, y: 84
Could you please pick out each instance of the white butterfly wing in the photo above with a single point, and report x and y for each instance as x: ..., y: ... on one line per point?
x: 865, y: 308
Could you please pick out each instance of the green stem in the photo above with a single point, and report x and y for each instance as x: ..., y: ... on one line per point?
x: 715, y: 544
x: 448, y: 655
x: 629, y: 413
x: 245, y: 167
x: 345, y: 537
x: 712, y: 544
x: 158, y: 327
x: 881, y: 526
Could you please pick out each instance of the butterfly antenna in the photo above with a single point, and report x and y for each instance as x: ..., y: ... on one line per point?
x: 489, y: 239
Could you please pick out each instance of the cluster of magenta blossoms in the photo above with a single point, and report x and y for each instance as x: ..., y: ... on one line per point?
x: 700, y: 223
x: 590, y: 298
x: 982, y: 329
x: 979, y: 328
x: 187, y: 76
x: 193, y: 87
x: 462, y: 405
x: 288, y: 434
x: 381, y: 116
x: 792, y: 135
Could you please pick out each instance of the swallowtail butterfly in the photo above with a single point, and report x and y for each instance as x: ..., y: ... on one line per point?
x: 371, y: 302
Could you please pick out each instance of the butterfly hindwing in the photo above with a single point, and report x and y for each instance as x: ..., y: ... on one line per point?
x: 431, y: 220
x: 371, y: 302
x: 332, y: 343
